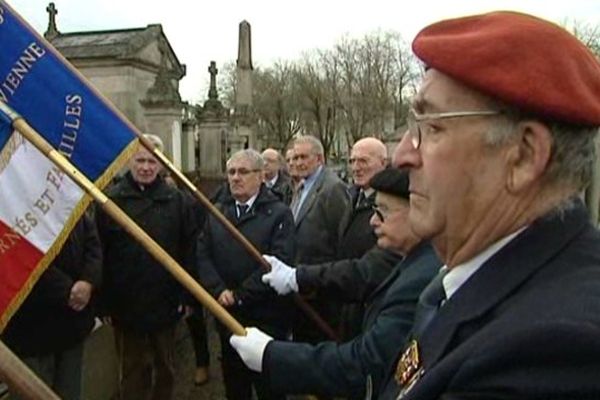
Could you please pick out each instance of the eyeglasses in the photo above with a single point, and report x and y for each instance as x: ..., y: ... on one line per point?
x: 241, y: 171
x: 414, y: 121
x: 378, y: 212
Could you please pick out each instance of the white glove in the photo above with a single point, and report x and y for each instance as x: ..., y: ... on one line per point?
x: 251, y: 347
x: 282, y: 277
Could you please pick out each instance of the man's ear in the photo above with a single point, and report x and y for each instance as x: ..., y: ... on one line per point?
x: 529, y: 155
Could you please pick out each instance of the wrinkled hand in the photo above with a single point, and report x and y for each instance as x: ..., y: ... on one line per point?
x: 282, y: 278
x: 226, y: 298
x: 81, y: 291
x: 251, y: 347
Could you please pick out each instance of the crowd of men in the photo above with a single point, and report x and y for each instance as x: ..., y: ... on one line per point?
x: 463, y: 266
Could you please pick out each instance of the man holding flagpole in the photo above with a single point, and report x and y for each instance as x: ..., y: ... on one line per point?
x: 141, y: 299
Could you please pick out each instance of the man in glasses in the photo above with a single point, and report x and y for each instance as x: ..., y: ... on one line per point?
x: 233, y: 276
x: 500, y: 147
x: 350, y: 368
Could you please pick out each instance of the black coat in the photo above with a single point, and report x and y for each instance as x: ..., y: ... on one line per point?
x: 139, y: 293
x: 283, y: 188
x: 356, y: 239
x: 526, y: 325
x: 224, y: 264
x: 357, y: 236
x: 45, y: 323
x: 344, y: 369
x: 351, y: 281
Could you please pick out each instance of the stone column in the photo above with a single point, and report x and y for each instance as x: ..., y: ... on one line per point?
x: 243, y: 117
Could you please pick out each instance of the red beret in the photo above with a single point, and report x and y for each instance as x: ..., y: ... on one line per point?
x: 522, y: 60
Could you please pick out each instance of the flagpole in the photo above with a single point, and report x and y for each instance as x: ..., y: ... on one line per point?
x: 123, y: 220
x: 300, y: 302
x: 20, y: 379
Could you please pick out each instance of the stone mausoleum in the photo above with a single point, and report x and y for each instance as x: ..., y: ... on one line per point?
x: 138, y: 71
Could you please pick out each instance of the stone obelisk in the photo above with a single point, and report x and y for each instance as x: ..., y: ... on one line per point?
x: 243, y: 121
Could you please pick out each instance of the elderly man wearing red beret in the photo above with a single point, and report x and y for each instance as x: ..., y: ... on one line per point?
x: 500, y: 147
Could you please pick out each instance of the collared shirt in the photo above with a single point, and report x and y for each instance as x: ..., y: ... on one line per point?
x: 458, y: 275
x: 271, y: 182
x: 248, y: 203
x: 309, y: 181
x: 366, y: 193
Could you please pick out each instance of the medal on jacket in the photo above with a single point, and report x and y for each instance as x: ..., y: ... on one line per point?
x: 409, y: 369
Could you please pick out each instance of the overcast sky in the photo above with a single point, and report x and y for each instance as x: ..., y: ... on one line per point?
x: 201, y: 31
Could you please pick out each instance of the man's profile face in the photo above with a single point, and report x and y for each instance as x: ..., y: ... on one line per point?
x: 243, y: 178
x: 144, y: 167
x: 305, y: 159
x: 390, y: 223
x: 364, y: 164
x: 289, y: 160
x: 455, y: 177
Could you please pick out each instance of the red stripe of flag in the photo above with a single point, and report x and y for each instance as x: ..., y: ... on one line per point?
x: 18, y: 259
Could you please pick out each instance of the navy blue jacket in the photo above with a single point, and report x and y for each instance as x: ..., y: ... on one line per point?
x: 224, y: 264
x: 526, y: 325
x: 344, y: 369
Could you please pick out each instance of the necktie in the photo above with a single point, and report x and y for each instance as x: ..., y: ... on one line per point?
x: 361, y: 200
x: 242, y: 209
x: 429, y: 303
x: 295, y: 204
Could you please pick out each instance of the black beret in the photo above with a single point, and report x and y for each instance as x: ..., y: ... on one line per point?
x: 392, y: 181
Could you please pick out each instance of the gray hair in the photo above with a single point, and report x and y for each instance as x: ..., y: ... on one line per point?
x: 317, y: 146
x: 573, y: 149
x: 155, y: 140
x: 249, y: 154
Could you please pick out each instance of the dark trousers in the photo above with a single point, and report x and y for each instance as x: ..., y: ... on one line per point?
x: 238, y: 379
x: 61, y: 371
x: 197, y: 327
x: 146, y: 364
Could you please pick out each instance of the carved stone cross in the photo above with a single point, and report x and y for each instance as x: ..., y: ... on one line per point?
x: 212, y: 91
x: 52, y: 30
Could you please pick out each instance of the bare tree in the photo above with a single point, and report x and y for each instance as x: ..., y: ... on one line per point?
x: 376, y: 72
x: 588, y: 34
x: 227, y: 83
x: 358, y: 88
x: 316, y: 91
x: 275, y: 104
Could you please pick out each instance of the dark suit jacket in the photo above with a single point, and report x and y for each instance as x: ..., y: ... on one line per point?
x: 352, y: 281
x: 283, y: 188
x: 526, y: 325
x: 223, y: 263
x: 357, y: 234
x: 318, y: 226
x: 318, y: 223
x: 343, y: 369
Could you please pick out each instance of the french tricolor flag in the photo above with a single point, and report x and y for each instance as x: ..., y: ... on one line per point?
x: 38, y: 203
x: 39, y: 206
